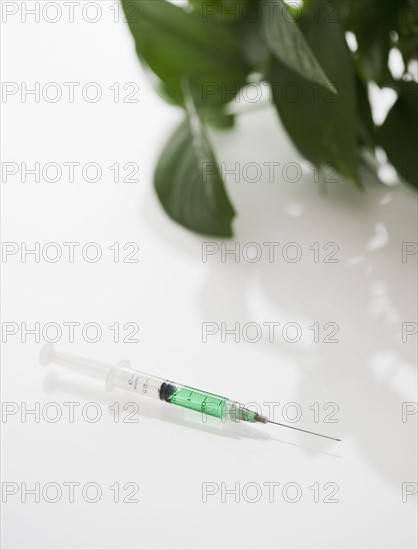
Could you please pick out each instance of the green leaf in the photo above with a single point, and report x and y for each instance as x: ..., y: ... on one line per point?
x: 287, y: 43
x: 365, y: 119
x: 254, y: 46
x: 188, y: 182
x: 175, y: 44
x: 399, y: 133
x: 372, y: 22
x: 224, y: 11
x: 322, y: 125
x: 218, y: 118
x: 408, y: 30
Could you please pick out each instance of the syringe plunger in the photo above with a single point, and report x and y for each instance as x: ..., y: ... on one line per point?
x: 89, y: 367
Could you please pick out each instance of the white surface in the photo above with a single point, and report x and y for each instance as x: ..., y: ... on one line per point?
x: 170, y: 293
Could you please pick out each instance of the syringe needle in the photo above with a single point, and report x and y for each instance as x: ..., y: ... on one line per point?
x: 306, y: 431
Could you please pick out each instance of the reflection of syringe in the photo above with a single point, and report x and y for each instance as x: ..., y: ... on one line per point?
x: 124, y: 376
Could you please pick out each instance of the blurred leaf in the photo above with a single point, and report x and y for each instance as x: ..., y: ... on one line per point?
x: 365, y: 119
x: 254, y: 45
x: 224, y: 11
x: 322, y: 125
x: 177, y: 44
x: 218, y: 118
x: 399, y: 133
x: 373, y: 21
x: 288, y: 44
x: 408, y: 31
x: 188, y: 182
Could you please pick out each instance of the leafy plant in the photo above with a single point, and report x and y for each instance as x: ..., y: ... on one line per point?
x: 205, y: 52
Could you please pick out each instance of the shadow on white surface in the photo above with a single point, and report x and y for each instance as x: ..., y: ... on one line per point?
x: 370, y: 292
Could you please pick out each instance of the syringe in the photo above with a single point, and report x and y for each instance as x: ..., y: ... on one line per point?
x: 124, y: 376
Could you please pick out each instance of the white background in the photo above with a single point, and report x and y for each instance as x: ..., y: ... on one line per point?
x: 170, y: 453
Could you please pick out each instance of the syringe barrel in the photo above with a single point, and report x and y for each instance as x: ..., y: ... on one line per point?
x: 209, y: 404
x: 123, y: 376
x: 197, y: 400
